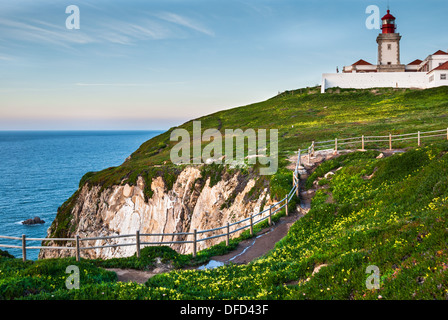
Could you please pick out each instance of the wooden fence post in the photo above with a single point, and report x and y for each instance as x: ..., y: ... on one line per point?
x: 446, y: 133
x: 362, y: 142
x: 137, y: 242
x: 270, y: 216
x: 312, y: 149
x: 195, y: 238
x: 251, y: 225
x: 298, y: 185
x: 390, y: 141
x: 419, y: 141
x: 23, y: 247
x: 336, y: 145
x: 299, y: 154
x: 228, y: 234
x: 309, y: 156
x: 78, y: 251
x: 293, y: 180
x: 286, y: 207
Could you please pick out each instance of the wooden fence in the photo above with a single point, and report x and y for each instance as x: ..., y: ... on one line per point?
x: 363, y: 141
x: 225, y: 231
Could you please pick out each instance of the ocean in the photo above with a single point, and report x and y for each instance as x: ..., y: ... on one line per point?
x: 40, y: 170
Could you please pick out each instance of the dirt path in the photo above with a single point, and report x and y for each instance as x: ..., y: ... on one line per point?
x: 251, y: 249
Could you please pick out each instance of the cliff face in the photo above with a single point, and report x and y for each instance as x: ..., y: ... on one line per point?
x: 189, y: 205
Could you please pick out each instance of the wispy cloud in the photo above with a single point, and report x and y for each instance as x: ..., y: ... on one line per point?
x: 5, y: 58
x: 258, y: 8
x: 81, y: 84
x: 42, y: 32
x: 125, y: 31
x: 185, y: 22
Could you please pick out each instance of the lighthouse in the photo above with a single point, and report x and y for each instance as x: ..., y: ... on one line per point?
x: 389, y: 72
x: 389, y: 46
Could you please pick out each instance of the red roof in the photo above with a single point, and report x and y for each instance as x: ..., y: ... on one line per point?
x: 442, y: 67
x: 388, y: 16
x: 439, y: 53
x: 361, y: 63
x: 415, y: 62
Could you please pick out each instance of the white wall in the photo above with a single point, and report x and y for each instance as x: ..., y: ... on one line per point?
x: 436, y: 60
x: 375, y: 80
x: 437, y: 81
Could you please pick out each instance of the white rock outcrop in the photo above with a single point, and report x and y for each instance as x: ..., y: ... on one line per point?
x: 122, y: 210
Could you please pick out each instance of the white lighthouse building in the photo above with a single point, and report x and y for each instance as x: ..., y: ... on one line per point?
x: 389, y: 72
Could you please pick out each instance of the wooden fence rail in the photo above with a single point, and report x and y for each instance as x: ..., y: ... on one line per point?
x: 363, y: 141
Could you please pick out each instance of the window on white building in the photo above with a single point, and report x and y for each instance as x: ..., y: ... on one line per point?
x: 389, y: 47
x: 443, y: 76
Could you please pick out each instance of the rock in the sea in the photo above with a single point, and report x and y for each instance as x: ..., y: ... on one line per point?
x: 35, y: 220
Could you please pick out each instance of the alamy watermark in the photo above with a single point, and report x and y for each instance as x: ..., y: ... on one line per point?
x: 373, y: 21
x: 73, y: 21
x: 240, y: 147
x: 373, y: 280
x: 72, y: 281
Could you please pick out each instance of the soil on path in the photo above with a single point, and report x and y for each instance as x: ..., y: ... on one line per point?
x: 251, y: 249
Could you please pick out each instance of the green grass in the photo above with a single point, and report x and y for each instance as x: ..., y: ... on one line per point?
x: 397, y: 220
x: 336, y: 163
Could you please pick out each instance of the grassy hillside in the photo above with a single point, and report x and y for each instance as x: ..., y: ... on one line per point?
x: 301, y: 116
x: 395, y: 219
x: 390, y: 212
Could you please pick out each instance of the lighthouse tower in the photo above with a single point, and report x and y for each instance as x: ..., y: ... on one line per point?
x: 389, y: 46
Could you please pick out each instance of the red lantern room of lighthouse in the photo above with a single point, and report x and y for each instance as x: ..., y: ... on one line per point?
x: 389, y: 46
x: 389, y: 25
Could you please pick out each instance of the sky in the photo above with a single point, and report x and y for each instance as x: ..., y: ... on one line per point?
x: 155, y: 64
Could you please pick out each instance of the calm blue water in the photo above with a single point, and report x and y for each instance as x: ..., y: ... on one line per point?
x: 40, y: 170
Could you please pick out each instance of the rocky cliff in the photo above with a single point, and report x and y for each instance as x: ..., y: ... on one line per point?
x: 191, y: 203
